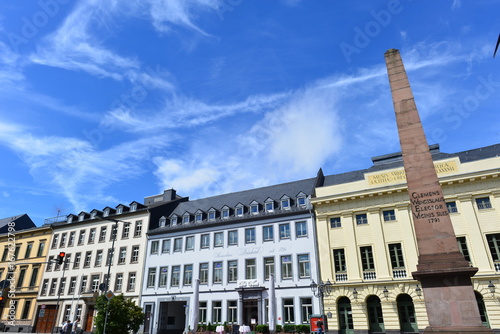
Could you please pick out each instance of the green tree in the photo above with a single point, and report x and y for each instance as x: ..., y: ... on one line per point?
x: 123, y: 315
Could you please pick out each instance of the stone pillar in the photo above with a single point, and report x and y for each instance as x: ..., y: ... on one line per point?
x: 442, y: 270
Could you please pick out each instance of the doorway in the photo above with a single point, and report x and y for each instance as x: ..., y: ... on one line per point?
x: 172, y: 317
x: 251, y: 312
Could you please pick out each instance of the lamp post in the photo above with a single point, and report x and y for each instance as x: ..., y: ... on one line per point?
x: 320, y: 291
x: 114, y: 233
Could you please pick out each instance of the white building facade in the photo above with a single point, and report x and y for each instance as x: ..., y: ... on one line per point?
x: 233, y: 244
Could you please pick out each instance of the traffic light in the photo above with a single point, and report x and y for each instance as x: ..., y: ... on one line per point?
x: 60, y: 258
x: 2, y: 301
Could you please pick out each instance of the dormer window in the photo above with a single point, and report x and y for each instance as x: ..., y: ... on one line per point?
x: 92, y: 214
x: 254, y: 208
x: 163, y: 221
x: 70, y: 219
x: 211, y: 214
x: 269, y: 205
x: 239, y: 210
x: 225, y: 213
x: 185, y: 219
x: 133, y: 207
x: 285, y: 203
x: 173, y: 220
x: 81, y: 216
x: 119, y: 210
x: 301, y: 199
x: 106, y: 212
x: 199, y: 217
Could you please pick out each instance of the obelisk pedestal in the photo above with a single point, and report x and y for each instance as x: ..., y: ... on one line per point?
x: 442, y: 270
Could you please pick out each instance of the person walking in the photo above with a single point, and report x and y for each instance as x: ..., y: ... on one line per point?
x: 66, y: 329
x: 319, y: 324
x: 75, y: 325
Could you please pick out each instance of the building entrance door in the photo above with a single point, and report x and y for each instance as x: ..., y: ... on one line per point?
x: 45, y: 319
x: 251, y: 312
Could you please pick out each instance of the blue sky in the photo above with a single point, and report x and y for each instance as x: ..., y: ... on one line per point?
x: 106, y: 102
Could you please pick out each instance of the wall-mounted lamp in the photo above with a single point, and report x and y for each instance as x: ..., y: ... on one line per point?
x: 386, y: 292
x: 491, y: 286
x: 418, y: 291
x: 329, y: 314
x: 355, y: 293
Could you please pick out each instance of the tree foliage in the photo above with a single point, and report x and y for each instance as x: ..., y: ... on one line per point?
x: 123, y: 316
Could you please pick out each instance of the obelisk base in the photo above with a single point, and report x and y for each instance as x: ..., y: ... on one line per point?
x: 449, y: 297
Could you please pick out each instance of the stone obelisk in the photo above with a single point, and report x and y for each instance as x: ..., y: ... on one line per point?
x: 442, y: 270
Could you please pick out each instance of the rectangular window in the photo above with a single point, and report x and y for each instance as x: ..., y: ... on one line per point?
x: 203, y: 273
x: 178, y: 245
x: 95, y: 282
x: 483, y: 203
x: 301, y: 229
x: 301, y: 201
x: 98, y: 258
x: 135, y: 254
x: 114, y: 232
x: 250, y: 235
x: 41, y: 247
x: 217, y: 272
x: 20, y: 278
x: 361, y: 219
x: 225, y: 213
x: 396, y: 253
x: 109, y: 257
x: 202, y: 315
x: 126, y: 230
x: 45, y: 286
x: 55, y: 239
x: 335, y: 222
x: 29, y: 247
x: 102, y: 235
x: 190, y: 243
x: 63, y: 240
x: 83, y: 284
x: 494, y: 246
x: 198, y: 217
x: 339, y: 261
x: 232, y: 312
x: 53, y: 286
x: 92, y: 235
x: 122, y: 255
x: 304, y: 267
x: 205, y: 241
x: 305, y: 309
x: 119, y: 282
x: 216, y: 312
x: 239, y: 211
x: 71, y: 240
x: 88, y: 259
x: 72, y: 285
x: 367, y: 258
x: 286, y: 267
x: 268, y: 267
x: 211, y: 215
x: 151, y: 277
x: 138, y: 229
x: 285, y: 204
x: 250, y: 269
x: 254, y: 209
x: 452, y: 207
x: 288, y: 311
x: 131, y: 282
x: 389, y: 215
x: 285, y: 231
x: 188, y: 274
x: 165, y: 246
x: 232, y: 271
x: 34, y: 276
x: 154, y: 246
x: 163, y: 277
x: 269, y: 206
x: 81, y: 237
x: 78, y: 258
x: 176, y: 276
x: 67, y: 261
x: 218, y: 239
x: 26, y: 309
x: 268, y: 233
x: 462, y: 246
x: 232, y: 238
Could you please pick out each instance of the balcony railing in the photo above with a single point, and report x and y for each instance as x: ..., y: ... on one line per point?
x: 399, y: 273
x: 369, y: 275
x: 341, y: 277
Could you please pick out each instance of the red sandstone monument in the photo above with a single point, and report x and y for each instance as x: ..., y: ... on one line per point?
x: 442, y: 270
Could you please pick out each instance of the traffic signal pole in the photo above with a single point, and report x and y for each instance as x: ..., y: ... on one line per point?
x: 61, y: 261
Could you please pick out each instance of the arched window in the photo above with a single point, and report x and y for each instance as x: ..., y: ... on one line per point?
x: 406, y: 313
x: 482, y: 309
x: 375, y: 316
x: 346, y: 325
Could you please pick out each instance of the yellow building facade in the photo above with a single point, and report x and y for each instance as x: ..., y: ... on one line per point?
x: 23, y: 261
x: 367, y: 242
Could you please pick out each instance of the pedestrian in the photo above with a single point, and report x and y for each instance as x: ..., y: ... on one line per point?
x: 75, y: 325
x: 319, y: 324
x: 66, y: 329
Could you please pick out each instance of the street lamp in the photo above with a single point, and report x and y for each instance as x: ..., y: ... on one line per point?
x: 320, y: 291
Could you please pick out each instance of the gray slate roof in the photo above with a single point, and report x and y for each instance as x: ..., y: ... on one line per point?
x: 395, y: 160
